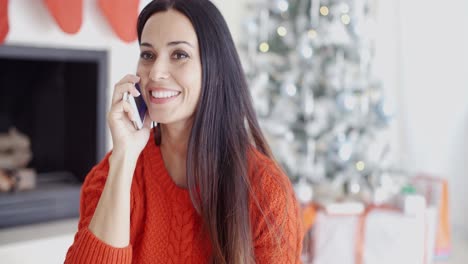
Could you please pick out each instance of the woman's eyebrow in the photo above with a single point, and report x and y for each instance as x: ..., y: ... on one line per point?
x: 172, y: 43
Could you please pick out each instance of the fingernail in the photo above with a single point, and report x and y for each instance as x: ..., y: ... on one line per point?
x: 138, y: 94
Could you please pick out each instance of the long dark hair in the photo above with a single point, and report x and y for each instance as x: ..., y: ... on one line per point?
x: 224, y: 128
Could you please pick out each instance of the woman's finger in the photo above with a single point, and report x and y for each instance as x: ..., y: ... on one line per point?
x: 121, y: 89
x: 127, y: 84
x: 129, y: 78
x: 128, y: 109
x: 122, y: 109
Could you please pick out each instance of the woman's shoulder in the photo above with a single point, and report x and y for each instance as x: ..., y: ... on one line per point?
x: 271, y: 190
x: 274, y: 210
x: 265, y: 171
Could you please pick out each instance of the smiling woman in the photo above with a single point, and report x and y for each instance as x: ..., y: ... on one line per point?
x: 203, y: 187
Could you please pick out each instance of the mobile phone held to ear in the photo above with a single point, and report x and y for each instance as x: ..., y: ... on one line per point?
x: 138, y: 106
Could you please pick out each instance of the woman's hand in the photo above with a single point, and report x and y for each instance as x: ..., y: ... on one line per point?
x: 125, y: 137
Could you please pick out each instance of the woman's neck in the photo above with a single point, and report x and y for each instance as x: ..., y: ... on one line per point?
x: 174, y: 150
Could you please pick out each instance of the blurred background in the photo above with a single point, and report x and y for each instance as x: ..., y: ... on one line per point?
x: 364, y: 103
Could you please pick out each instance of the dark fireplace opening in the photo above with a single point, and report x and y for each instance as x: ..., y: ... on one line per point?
x: 56, y: 99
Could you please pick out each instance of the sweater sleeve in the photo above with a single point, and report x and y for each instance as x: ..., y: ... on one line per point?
x: 87, y: 248
x: 276, y: 226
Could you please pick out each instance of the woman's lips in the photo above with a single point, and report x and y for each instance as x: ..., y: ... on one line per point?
x: 161, y: 95
x: 162, y: 100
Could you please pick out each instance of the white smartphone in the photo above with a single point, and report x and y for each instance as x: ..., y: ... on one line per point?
x: 139, y: 106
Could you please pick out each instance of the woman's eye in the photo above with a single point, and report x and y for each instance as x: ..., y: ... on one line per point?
x: 180, y: 55
x: 146, y: 55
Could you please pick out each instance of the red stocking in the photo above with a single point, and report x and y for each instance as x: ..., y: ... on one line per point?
x: 3, y: 20
x: 68, y: 14
x: 122, y: 16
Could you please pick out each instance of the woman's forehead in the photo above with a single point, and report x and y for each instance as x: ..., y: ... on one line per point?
x: 170, y: 26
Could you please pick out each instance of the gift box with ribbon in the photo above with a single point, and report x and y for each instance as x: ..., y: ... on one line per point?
x: 381, y: 234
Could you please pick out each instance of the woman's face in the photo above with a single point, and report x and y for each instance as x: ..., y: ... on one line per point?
x: 169, y: 67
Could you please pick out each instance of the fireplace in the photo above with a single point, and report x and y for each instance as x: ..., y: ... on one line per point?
x: 57, y: 99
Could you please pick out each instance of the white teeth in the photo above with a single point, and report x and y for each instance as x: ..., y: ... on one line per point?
x: 157, y: 94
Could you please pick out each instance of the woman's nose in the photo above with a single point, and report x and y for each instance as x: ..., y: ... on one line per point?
x: 159, y: 71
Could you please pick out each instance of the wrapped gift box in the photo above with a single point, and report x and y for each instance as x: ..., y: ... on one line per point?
x: 377, y: 235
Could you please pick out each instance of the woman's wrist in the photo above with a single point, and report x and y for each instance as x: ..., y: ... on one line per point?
x: 122, y: 166
x: 123, y: 155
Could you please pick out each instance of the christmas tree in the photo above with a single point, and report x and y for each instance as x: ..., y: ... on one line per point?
x: 309, y: 64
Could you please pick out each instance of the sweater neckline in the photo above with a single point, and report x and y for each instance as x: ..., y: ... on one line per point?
x: 159, y: 168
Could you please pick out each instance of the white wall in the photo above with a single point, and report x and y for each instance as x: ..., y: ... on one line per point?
x: 31, y: 24
x: 424, y: 60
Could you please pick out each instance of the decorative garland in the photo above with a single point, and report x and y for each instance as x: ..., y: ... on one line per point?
x: 121, y: 15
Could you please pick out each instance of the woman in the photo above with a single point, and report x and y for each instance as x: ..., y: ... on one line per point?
x: 202, y: 187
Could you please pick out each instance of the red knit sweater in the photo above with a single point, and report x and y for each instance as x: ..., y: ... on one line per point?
x: 165, y: 228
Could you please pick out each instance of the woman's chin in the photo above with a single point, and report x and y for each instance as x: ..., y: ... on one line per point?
x: 158, y: 119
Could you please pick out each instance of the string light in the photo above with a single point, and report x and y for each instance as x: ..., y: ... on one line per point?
x: 264, y: 47
x: 324, y: 10
x: 345, y: 19
x: 282, y: 31
x: 360, y: 165
x: 312, y: 34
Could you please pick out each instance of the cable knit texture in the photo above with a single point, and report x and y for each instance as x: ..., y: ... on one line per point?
x: 165, y: 227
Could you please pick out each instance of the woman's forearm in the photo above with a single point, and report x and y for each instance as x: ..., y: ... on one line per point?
x: 111, y: 220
